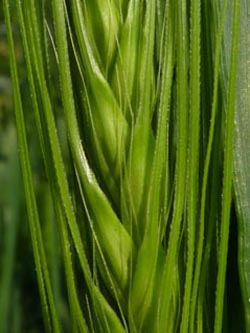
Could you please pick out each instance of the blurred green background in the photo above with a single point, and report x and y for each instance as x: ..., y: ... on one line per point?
x: 20, y: 307
x: 18, y: 289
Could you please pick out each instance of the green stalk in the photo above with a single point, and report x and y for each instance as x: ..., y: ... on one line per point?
x: 180, y: 169
x: 207, y: 164
x: 228, y: 173
x: 50, y: 314
x: 193, y: 164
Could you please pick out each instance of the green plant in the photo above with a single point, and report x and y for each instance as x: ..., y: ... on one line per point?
x: 134, y: 105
